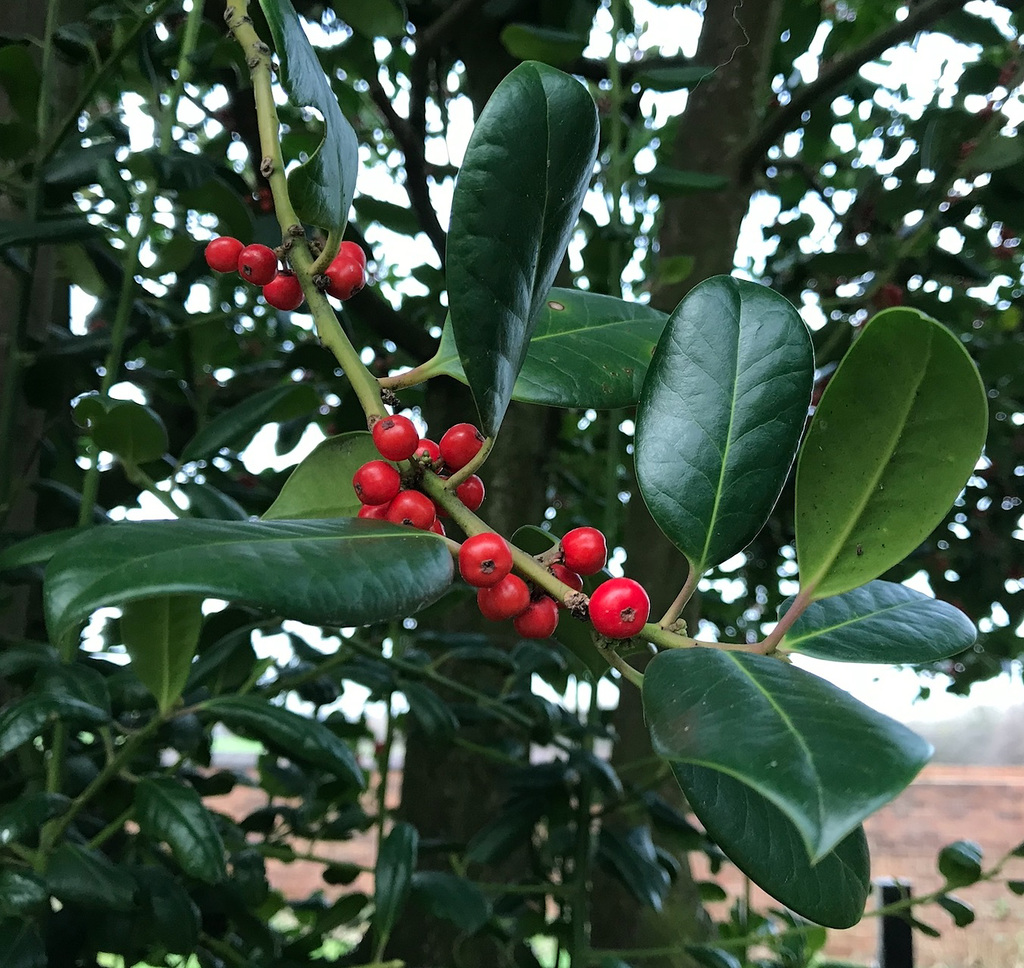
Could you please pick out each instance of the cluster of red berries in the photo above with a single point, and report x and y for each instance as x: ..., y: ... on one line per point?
x: 257, y: 264
x: 378, y: 484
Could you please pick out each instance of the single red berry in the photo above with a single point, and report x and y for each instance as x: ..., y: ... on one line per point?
x: 257, y: 264
x: 619, y: 608
x: 412, y: 508
x: 584, y: 551
x: 437, y: 527
x: 484, y: 559
x: 507, y: 599
x: 344, y: 279
x: 378, y: 512
x: 395, y: 437
x: 284, y: 292
x: 539, y: 621
x: 460, y: 444
x: 471, y: 492
x: 376, y: 482
x: 427, y: 450
x: 566, y: 576
x: 222, y: 254
x: 351, y: 252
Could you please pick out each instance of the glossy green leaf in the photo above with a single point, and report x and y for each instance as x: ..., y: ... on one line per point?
x: 235, y: 427
x: 761, y: 842
x: 46, y: 231
x: 672, y: 181
x: 20, y: 890
x: 23, y: 720
x: 960, y: 863
x: 322, y: 188
x: 672, y: 78
x: 77, y: 875
x: 547, y: 44
x: 78, y: 691
x: 23, y: 817
x: 297, y: 737
x: 396, y: 862
x: 519, y: 191
x: 347, y: 572
x: 961, y: 913
x: 132, y: 431
x: 453, y: 898
x: 896, y: 434
x: 720, y: 416
x: 58, y: 696
x: 37, y: 550
x: 161, y: 635
x: 430, y: 711
x: 588, y: 350
x: 374, y: 18
x: 880, y: 622
x: 631, y: 857
x: 172, y: 917
x: 321, y: 486
x: 170, y: 811
x: 20, y: 944
x: 824, y: 759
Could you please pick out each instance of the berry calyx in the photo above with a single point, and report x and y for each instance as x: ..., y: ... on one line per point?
x: 566, y: 576
x: 375, y: 512
x: 222, y: 254
x: 284, y: 292
x: 427, y: 450
x: 484, y: 559
x: 584, y: 551
x: 376, y: 482
x: 344, y: 278
x: 539, y: 621
x: 619, y: 608
x: 509, y: 598
x: 413, y: 509
x: 257, y: 264
x: 395, y: 437
x: 460, y: 444
x: 471, y: 492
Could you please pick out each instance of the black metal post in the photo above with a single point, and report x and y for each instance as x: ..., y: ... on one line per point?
x: 895, y: 935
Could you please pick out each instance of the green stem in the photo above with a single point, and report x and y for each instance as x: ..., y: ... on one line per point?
x: 329, y: 251
x: 800, y: 603
x: 617, y: 662
x: 582, y: 846
x: 411, y: 378
x: 111, y: 828
x: 464, y: 473
x: 142, y: 480
x: 615, y: 161
x: 676, y: 608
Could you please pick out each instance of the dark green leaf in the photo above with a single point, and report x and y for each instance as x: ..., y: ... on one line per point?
x: 710, y: 891
x: 161, y: 635
x: 396, y: 862
x: 720, y: 416
x: 20, y: 944
x: 323, y: 187
x: 24, y: 816
x: 672, y: 78
x: 77, y: 875
x: 453, y: 898
x: 962, y: 914
x: 133, y: 432
x: 825, y: 780
x: 297, y: 737
x: 517, y: 197
x: 880, y: 622
x: 374, y: 18
x: 672, y: 181
x: 631, y: 857
x: 1016, y: 886
x: 713, y: 957
x: 207, y: 501
x: 37, y: 550
x: 20, y: 890
x: 347, y: 572
x: 47, y: 231
x: 19, y: 78
x: 172, y: 918
x: 960, y: 863
x: 431, y: 712
x: 341, y: 873
x: 168, y: 810
x: 547, y: 44
x: 23, y: 720
x: 895, y: 436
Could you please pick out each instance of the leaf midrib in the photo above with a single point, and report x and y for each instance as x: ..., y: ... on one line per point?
x: 827, y: 629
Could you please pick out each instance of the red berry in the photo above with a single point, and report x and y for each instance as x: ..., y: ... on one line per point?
x: 484, y: 559
x: 437, y: 527
x: 566, y: 577
x: 539, y: 621
x: 471, y: 492
x: 378, y: 512
x: 351, y: 252
x: 284, y: 292
x: 584, y: 551
x: 460, y: 444
x: 395, y: 437
x: 619, y: 608
x: 222, y: 254
x: 376, y: 482
x: 257, y: 264
x: 344, y: 279
x: 412, y: 508
x: 507, y: 599
x: 428, y: 450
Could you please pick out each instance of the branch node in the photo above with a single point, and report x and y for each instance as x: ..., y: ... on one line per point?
x: 267, y: 167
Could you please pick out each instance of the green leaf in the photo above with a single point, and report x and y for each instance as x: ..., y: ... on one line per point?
x: 720, y: 416
x: 761, y: 842
x: 37, y: 550
x: 20, y: 944
x: 880, y: 622
x: 396, y: 862
x: 297, y: 737
x: 453, y: 898
x: 961, y: 912
x: 674, y: 269
x: 59, y: 694
x: 516, y: 200
x: 24, y: 816
x: 532, y: 42
x: 321, y: 486
x: 46, y: 231
x: 172, y: 918
x: 20, y: 890
x: 672, y: 182
x: 235, y: 427
x: 23, y: 720
x: 432, y: 713
x: 630, y: 855
x: 713, y: 957
x: 374, y: 18
x: 161, y: 635
x: 1016, y: 886
x: 126, y: 428
x: 167, y: 810
x: 960, y: 863
x: 323, y: 187
x: 77, y: 875
x: 347, y: 572
x: 826, y: 781
x: 207, y: 501
x: 672, y: 78
x: 587, y: 351
x: 894, y: 437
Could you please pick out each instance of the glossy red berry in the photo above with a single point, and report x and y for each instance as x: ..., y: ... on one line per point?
x: 584, y: 551
x: 427, y: 450
x: 395, y: 437
x: 566, y: 576
x: 351, y: 252
x: 437, y: 527
x: 460, y: 444
x: 344, y: 279
x: 257, y: 264
x: 222, y: 254
x: 376, y: 512
x: 284, y: 292
x: 539, y: 621
x: 376, y: 482
x: 471, y: 492
x: 412, y: 508
x: 507, y: 599
x: 619, y: 608
x: 484, y: 559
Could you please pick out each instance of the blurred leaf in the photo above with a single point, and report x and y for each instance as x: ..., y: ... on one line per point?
x: 133, y: 432
x: 453, y: 898
x: 161, y: 634
x: 547, y: 44
x: 960, y: 863
x: 673, y: 182
x: 21, y: 945
x: 168, y: 810
x: 46, y: 231
x: 373, y: 18
x: 77, y: 875
x: 396, y: 862
x: 24, y: 816
x: 172, y: 917
x: 962, y: 913
x: 37, y: 550
x: 21, y: 891
x: 432, y: 713
x: 631, y: 857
